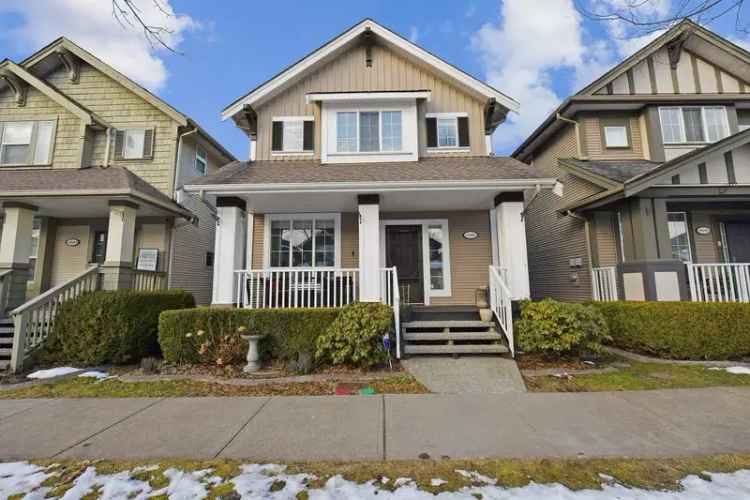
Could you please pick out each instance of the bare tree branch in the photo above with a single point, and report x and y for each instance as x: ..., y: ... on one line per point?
x: 128, y: 15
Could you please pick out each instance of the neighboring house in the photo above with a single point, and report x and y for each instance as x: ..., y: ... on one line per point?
x: 90, y: 168
x: 654, y: 162
x: 368, y: 155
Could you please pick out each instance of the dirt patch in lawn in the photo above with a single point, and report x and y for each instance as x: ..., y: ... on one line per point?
x: 562, y: 363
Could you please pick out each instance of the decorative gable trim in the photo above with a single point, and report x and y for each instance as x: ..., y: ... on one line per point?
x: 292, y: 73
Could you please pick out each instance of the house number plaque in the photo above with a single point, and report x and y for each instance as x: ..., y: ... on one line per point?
x: 471, y: 235
x: 72, y: 242
x: 704, y: 230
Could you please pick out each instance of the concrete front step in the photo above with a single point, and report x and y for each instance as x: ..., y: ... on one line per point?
x: 440, y: 325
x: 454, y: 335
x: 455, y: 349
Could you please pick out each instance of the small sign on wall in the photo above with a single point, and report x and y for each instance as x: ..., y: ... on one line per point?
x: 471, y: 235
x: 72, y: 242
x: 703, y: 230
x: 148, y: 259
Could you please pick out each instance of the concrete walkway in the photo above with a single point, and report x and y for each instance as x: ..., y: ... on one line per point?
x: 643, y: 423
x: 466, y: 374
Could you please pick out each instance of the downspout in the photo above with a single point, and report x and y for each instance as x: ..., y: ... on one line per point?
x: 577, y: 130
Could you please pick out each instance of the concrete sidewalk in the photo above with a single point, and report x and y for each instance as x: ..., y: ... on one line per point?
x: 642, y: 424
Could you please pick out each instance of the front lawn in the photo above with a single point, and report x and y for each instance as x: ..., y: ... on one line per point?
x: 668, y: 478
x: 637, y: 376
x: 113, y: 388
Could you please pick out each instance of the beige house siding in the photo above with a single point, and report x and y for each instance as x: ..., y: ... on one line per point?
x: 554, y: 239
x: 67, y: 261
x: 40, y: 107
x: 607, y: 242
x: 592, y: 124
x: 389, y: 71
x: 121, y: 108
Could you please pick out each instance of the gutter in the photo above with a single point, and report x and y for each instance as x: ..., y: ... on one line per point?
x: 577, y: 130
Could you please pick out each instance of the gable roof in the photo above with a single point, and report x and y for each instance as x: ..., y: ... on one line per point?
x: 39, y: 57
x: 681, y: 32
x: 328, y: 50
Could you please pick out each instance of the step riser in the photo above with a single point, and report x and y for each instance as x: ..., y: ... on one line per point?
x: 455, y: 349
x: 455, y: 336
x: 448, y: 324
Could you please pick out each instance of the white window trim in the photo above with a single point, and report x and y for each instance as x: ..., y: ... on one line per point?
x: 32, y: 145
x: 446, y: 291
x: 687, y: 233
x: 614, y: 146
x: 294, y: 152
x: 304, y: 216
x: 455, y: 116
x: 704, y: 124
x: 202, y: 158
x: 380, y: 133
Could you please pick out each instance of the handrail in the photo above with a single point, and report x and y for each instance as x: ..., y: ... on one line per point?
x: 719, y: 282
x: 501, y: 303
x: 34, y: 320
x: 149, y: 280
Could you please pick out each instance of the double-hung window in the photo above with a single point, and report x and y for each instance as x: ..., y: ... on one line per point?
x: 293, y: 135
x: 368, y: 131
x: 304, y: 240
x: 134, y: 144
x: 693, y: 124
x: 201, y: 161
x: 616, y: 136
x: 26, y: 143
x: 679, y: 236
x: 447, y: 130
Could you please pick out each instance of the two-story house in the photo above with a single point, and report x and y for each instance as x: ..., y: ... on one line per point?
x: 372, y: 178
x: 90, y: 169
x: 654, y: 161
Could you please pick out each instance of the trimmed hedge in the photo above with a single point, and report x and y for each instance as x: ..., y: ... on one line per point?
x: 110, y: 327
x: 553, y: 327
x: 211, y: 335
x: 356, y: 337
x: 680, y: 330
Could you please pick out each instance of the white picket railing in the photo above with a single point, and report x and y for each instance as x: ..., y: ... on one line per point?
x: 719, y: 282
x: 390, y: 295
x: 604, y: 281
x: 33, y: 321
x: 149, y: 281
x: 501, y: 303
x: 313, y: 287
x: 5, y: 277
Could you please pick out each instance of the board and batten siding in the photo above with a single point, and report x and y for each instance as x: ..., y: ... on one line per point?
x: 554, y: 239
x: 389, y: 71
x: 122, y: 109
x: 67, y: 146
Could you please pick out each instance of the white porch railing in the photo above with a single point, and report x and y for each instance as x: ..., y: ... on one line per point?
x: 313, y: 287
x: 501, y: 303
x: 149, y: 281
x: 5, y: 277
x: 719, y: 282
x: 33, y: 321
x: 604, y: 281
x: 390, y: 295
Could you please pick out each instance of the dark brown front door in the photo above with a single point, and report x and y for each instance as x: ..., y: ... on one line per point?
x: 738, y: 241
x: 403, y: 249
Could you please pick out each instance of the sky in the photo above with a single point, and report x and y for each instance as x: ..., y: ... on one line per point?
x: 537, y: 51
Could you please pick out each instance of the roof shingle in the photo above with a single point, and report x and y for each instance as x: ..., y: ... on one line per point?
x: 616, y: 170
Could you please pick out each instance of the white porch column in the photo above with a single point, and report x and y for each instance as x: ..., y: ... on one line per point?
x: 511, y: 245
x: 229, y: 249
x: 15, y: 249
x: 369, y: 247
x: 117, y: 269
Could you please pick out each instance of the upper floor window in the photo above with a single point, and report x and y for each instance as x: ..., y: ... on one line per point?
x: 26, y: 143
x: 368, y: 131
x: 292, y: 134
x: 201, y: 161
x: 134, y: 144
x: 680, y: 125
x: 615, y: 132
x: 447, y: 130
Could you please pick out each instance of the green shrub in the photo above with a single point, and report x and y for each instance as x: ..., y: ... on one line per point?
x: 680, y: 330
x: 211, y: 335
x: 356, y: 337
x: 110, y: 327
x: 562, y: 328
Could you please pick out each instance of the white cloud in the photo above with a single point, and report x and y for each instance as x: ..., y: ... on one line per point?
x: 413, y: 34
x: 90, y: 23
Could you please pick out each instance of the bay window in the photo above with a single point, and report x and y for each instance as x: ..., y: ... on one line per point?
x: 693, y: 124
x: 368, y: 131
x: 26, y: 143
x: 303, y: 240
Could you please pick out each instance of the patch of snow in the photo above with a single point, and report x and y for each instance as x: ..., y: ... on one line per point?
x: 401, y: 481
x: 384, y: 480
x: 53, y: 372
x: 736, y: 370
x: 476, y: 477
x: 183, y: 485
x: 119, y: 485
x: 437, y: 482
x: 94, y: 374
x: 255, y: 481
x: 17, y: 478
x: 606, y: 477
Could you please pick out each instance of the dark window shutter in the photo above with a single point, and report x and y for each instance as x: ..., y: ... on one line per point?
x: 308, y: 138
x: 277, y: 136
x: 463, y: 131
x: 119, y: 142
x: 431, y: 132
x: 148, y: 143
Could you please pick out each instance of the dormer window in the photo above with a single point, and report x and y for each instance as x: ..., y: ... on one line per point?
x: 368, y: 131
x: 448, y: 131
x: 293, y: 135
